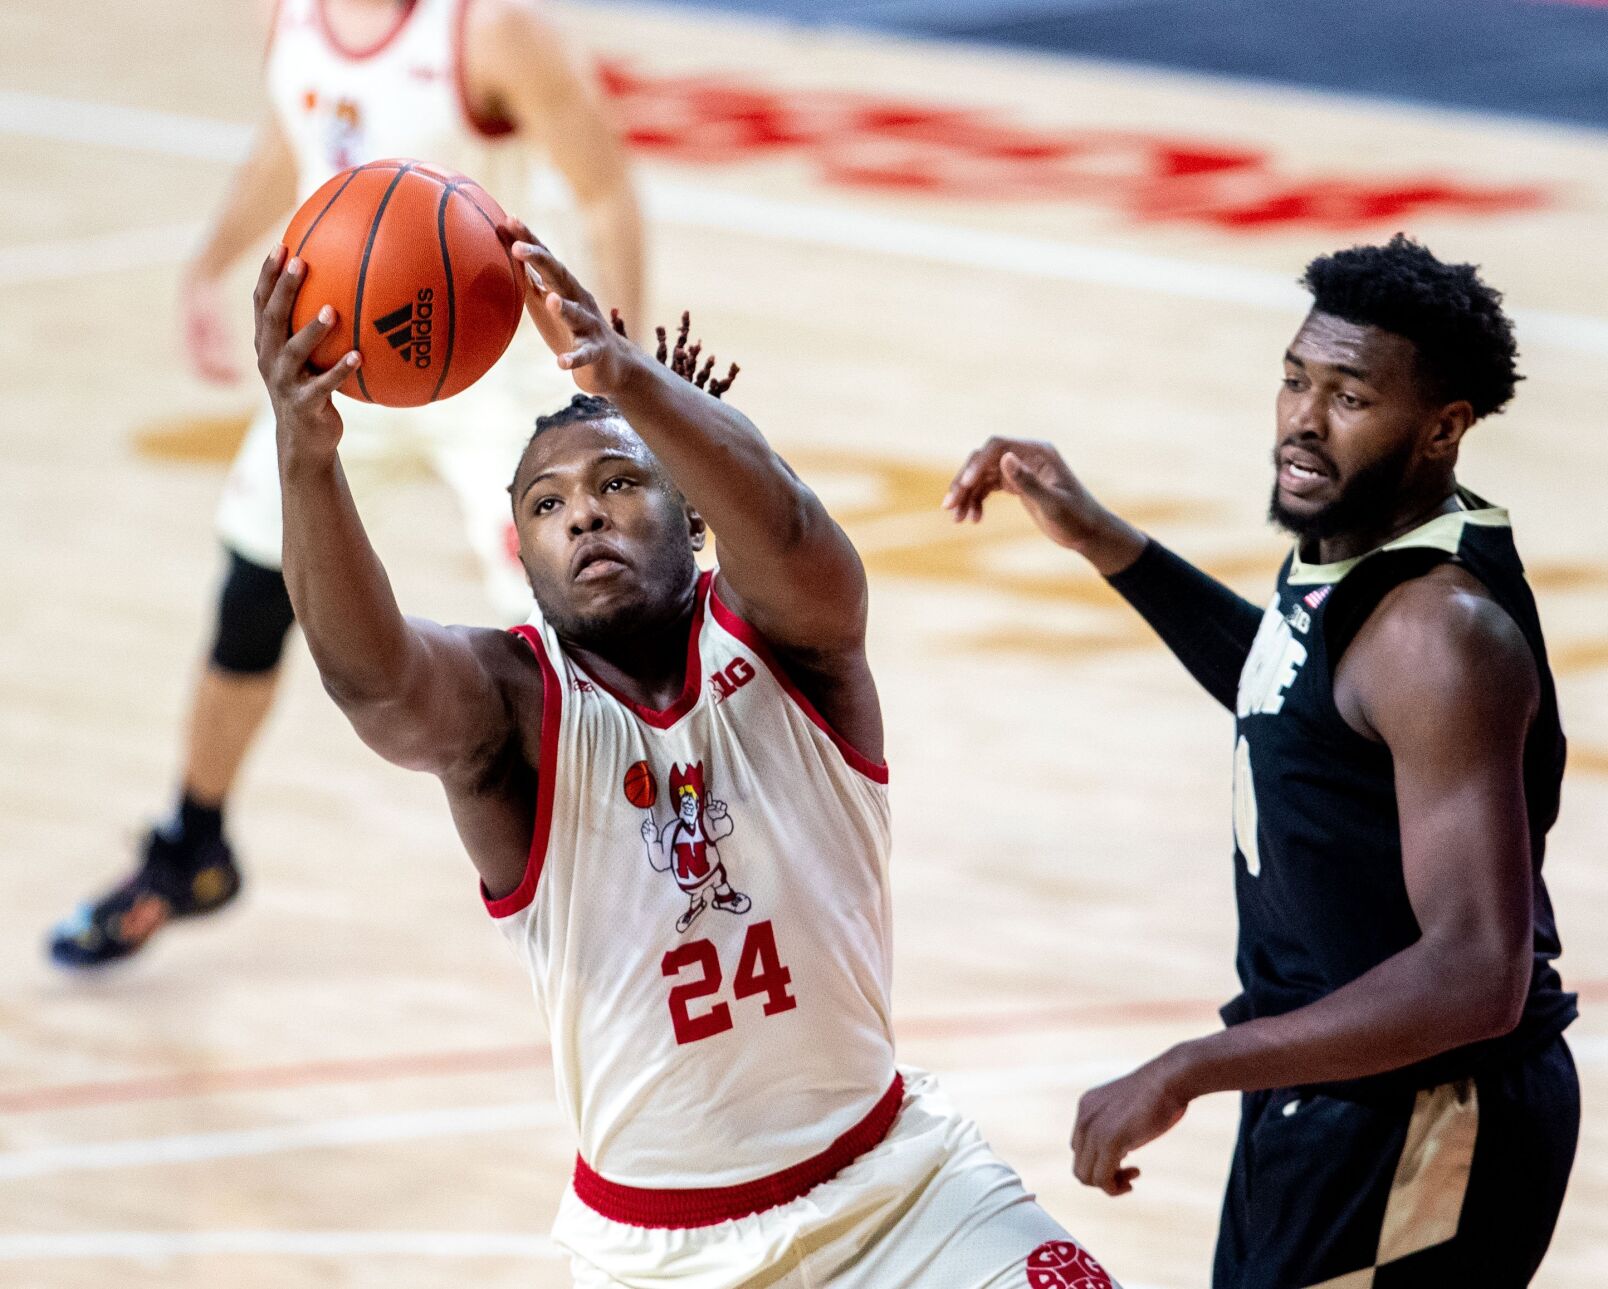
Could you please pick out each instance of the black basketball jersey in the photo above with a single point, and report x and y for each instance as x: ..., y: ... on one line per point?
x: 1318, y: 867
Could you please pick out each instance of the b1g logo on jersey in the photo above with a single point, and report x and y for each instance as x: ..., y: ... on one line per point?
x: 408, y: 328
x: 1061, y: 1264
x: 725, y: 683
x: 1274, y: 662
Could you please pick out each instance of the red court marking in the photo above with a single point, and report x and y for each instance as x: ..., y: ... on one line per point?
x: 938, y: 150
x: 527, y: 1056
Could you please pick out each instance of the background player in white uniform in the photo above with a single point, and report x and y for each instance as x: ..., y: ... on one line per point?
x: 481, y: 86
x: 730, y: 1078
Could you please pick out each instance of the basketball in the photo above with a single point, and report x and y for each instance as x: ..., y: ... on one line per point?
x: 408, y: 256
x: 640, y: 788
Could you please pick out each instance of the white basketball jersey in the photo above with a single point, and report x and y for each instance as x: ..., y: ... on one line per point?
x: 705, y: 917
x: 403, y: 97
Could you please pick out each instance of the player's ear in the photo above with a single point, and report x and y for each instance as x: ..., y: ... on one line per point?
x: 1452, y: 422
x: 697, y: 530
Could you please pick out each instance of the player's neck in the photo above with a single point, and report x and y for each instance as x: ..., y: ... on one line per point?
x: 360, y: 24
x: 1411, y: 513
x: 647, y: 666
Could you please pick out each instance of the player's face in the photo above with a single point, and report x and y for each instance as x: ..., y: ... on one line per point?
x: 1353, y: 424
x: 606, y: 540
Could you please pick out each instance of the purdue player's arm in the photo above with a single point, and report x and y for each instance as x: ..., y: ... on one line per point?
x: 1443, y: 677
x: 1208, y: 627
x: 444, y: 700
x: 518, y: 64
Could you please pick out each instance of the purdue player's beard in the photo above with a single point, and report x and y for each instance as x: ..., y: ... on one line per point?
x: 1367, y: 502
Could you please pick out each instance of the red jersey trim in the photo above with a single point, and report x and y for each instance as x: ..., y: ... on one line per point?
x: 488, y: 127
x: 546, y: 767
x: 877, y: 772
x: 708, y: 1205
x: 358, y: 55
x: 691, y: 687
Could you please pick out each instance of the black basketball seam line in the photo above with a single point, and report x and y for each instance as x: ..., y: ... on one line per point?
x: 333, y: 198
x: 492, y: 224
x: 362, y: 272
x: 446, y: 263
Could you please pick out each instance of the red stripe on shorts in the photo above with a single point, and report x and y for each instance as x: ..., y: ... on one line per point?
x: 707, y: 1205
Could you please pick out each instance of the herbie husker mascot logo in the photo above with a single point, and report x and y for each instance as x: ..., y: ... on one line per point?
x: 687, y: 846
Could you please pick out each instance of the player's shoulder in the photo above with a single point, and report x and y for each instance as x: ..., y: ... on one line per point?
x: 1442, y: 636
x: 504, y: 19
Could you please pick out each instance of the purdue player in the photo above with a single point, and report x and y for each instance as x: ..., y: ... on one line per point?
x: 730, y: 1077
x: 485, y: 87
x: 1411, y: 1109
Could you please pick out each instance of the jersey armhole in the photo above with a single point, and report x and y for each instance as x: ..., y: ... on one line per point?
x: 744, y: 631
x: 547, y: 763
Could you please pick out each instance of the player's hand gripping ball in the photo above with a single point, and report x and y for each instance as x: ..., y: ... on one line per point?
x: 422, y: 286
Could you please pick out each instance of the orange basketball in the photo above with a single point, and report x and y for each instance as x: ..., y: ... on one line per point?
x: 408, y: 256
x: 641, y: 789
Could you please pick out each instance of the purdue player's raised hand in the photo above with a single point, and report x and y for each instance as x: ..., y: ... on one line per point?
x: 1052, y: 495
x: 309, y: 426
x: 570, y: 320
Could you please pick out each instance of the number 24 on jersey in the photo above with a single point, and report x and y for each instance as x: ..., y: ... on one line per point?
x: 759, y: 973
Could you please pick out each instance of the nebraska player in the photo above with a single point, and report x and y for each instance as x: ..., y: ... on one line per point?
x: 481, y: 86
x: 731, y: 1079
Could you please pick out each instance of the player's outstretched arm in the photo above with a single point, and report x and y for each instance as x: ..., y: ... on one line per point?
x: 1207, y: 626
x: 1442, y: 677
x: 423, y: 696
x: 787, y: 566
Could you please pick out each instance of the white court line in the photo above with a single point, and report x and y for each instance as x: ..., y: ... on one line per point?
x: 698, y: 205
x: 306, y: 1244
x: 273, y: 1139
x: 313, y: 1244
x: 70, y: 257
x: 967, y: 1086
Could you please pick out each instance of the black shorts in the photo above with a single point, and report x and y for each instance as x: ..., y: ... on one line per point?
x: 1454, y: 1185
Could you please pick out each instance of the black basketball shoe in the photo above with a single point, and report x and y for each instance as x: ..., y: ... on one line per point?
x: 176, y: 880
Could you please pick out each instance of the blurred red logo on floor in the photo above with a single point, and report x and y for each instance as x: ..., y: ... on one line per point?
x: 966, y: 154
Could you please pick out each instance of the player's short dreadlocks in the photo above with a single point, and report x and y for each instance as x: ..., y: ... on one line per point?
x: 683, y: 360
x: 1464, y: 340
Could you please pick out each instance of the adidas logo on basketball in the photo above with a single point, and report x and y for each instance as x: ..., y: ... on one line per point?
x: 408, y: 328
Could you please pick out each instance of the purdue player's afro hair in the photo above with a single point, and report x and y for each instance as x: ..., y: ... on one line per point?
x: 1464, y: 340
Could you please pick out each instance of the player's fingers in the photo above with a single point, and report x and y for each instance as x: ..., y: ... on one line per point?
x: 561, y: 279
x: 299, y: 348
x: 276, y: 313
x: 1125, y: 1179
x: 266, y: 277
x: 515, y: 230
x: 581, y: 321
x: 581, y: 356
x: 327, y: 382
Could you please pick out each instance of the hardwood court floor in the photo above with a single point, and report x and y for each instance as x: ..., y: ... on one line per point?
x: 342, y: 1082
